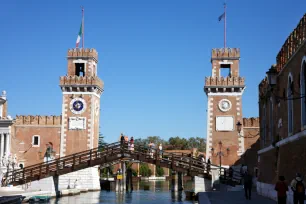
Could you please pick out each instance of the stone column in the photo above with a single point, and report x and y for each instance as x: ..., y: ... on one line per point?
x: 123, y: 181
x: 2, y: 145
x: 174, y: 184
x: 215, y: 176
x: 8, y: 149
x: 138, y: 169
x: 180, y: 181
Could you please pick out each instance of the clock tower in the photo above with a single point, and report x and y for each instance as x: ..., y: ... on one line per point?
x: 81, y: 89
x: 224, y: 89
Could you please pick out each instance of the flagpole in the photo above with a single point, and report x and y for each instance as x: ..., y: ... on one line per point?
x: 224, y: 25
x: 82, y: 27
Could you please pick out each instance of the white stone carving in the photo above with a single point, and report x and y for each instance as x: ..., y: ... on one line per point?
x: 225, y: 105
x: 97, y: 108
x: 77, y: 123
x: 224, y: 123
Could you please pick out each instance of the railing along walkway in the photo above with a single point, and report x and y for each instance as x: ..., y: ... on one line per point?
x: 107, y: 154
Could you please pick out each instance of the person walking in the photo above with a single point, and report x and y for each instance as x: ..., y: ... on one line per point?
x: 208, y: 165
x: 248, y: 183
x: 281, y: 187
x: 160, y: 151
x: 298, y: 188
x: 230, y: 174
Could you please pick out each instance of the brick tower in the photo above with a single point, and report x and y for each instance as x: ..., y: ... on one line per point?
x: 81, y: 89
x: 224, y: 106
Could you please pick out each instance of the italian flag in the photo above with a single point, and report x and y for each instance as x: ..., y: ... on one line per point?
x: 79, y: 36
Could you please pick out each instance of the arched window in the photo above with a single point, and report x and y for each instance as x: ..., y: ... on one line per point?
x: 263, y: 124
x: 290, y: 104
x: 303, y: 92
x: 271, y: 121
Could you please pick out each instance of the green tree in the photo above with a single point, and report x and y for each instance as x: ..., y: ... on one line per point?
x: 104, y: 171
x: 144, y: 170
x: 159, y: 171
x: 101, y: 141
x: 197, y: 142
x: 178, y: 143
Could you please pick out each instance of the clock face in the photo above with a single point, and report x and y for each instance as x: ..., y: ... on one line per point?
x: 77, y: 105
x: 225, y: 105
x: 97, y: 108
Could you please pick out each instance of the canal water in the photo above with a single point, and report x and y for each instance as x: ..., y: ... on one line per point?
x: 160, y: 192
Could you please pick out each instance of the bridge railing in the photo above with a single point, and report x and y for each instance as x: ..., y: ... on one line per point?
x: 117, y: 150
x: 60, y: 163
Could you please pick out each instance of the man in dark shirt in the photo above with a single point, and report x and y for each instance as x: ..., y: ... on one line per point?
x: 248, y: 183
x: 281, y: 187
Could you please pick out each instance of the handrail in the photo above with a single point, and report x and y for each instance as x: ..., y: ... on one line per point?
x: 102, y: 154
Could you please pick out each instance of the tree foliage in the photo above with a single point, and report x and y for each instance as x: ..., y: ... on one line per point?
x: 101, y: 141
x: 174, y: 143
x: 159, y: 171
x: 144, y: 170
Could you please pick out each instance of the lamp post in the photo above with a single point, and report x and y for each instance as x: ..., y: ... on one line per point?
x: 239, y: 125
x: 220, y: 154
x: 272, y: 76
x: 272, y: 82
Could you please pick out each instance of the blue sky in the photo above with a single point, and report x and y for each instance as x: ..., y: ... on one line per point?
x: 153, y: 56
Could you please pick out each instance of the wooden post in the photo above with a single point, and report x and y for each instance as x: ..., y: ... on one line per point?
x: 23, y: 174
x: 73, y: 162
x: 90, y: 157
x: 40, y: 169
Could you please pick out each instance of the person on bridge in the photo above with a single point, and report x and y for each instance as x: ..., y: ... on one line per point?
x: 151, y: 149
x: 160, y: 150
x: 131, y: 144
x: 281, y: 187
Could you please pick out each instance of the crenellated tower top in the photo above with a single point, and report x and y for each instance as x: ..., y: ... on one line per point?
x: 82, y: 71
x: 225, y: 71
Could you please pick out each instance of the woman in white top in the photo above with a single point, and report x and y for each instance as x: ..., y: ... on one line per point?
x: 160, y: 150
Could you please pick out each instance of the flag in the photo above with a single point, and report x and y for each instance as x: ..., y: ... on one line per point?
x: 79, y: 36
x: 222, y: 16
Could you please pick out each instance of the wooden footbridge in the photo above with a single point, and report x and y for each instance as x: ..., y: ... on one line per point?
x: 108, y: 154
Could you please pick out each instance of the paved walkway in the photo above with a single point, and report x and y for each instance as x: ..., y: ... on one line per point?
x: 232, y: 197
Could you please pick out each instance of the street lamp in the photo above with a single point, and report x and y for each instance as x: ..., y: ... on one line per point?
x: 272, y: 78
x: 220, y: 154
x: 272, y: 75
x: 239, y: 125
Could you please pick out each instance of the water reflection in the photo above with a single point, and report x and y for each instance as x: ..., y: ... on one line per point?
x: 159, y: 193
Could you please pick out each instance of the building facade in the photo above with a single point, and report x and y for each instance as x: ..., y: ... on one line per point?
x: 282, y: 111
x: 77, y: 129
x: 224, y: 93
x: 6, y: 122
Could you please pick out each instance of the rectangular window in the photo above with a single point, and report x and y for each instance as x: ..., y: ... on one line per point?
x: 271, y: 120
x: 35, y: 141
x: 80, y: 69
x: 225, y: 70
x: 264, y: 126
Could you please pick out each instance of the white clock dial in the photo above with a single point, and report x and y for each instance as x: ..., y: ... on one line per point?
x: 77, y: 105
x: 225, y: 105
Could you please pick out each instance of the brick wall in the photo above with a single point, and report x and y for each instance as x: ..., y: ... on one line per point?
x: 284, y: 152
x: 22, y: 135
